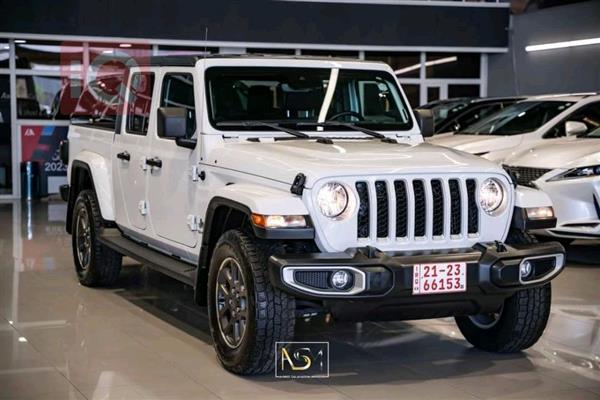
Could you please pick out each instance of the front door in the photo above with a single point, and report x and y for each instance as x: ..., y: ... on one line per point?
x: 172, y: 187
x: 129, y: 152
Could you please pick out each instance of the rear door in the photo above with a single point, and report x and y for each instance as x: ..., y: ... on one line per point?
x: 172, y: 193
x: 129, y: 152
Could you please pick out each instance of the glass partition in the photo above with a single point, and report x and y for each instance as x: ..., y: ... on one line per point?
x: 4, y: 54
x: 46, y: 97
x: 5, y: 137
x: 48, y: 56
x: 405, y: 65
x: 449, y: 65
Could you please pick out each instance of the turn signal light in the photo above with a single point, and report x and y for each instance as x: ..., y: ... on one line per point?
x: 540, y: 213
x: 278, y: 221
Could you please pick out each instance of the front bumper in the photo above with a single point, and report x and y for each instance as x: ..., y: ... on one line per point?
x: 576, y: 203
x: 386, y: 279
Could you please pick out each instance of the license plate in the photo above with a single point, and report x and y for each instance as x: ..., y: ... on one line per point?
x: 439, y: 278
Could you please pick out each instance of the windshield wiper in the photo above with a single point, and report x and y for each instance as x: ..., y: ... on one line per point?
x: 271, y: 125
x: 346, y: 125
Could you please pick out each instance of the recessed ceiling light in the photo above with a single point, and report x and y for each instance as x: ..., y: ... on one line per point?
x: 562, y: 45
x: 22, y: 339
x: 20, y: 41
x: 107, y: 51
x: 125, y: 45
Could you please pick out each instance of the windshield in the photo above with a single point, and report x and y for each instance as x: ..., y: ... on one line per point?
x: 297, y: 96
x: 518, y: 118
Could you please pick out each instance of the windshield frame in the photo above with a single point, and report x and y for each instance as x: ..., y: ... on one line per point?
x: 399, y: 97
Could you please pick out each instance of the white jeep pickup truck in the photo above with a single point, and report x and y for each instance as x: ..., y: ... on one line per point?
x: 285, y: 187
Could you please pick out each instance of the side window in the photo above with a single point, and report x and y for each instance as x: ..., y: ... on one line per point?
x: 589, y: 115
x: 477, y: 114
x: 139, y: 102
x: 178, y: 91
x: 99, y: 103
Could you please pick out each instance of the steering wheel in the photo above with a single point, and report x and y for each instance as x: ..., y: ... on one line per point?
x: 344, y: 113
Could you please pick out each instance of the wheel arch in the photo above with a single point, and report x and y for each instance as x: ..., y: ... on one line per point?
x: 91, y: 172
x: 224, y: 213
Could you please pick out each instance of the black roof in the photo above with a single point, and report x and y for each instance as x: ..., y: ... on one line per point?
x: 190, y: 61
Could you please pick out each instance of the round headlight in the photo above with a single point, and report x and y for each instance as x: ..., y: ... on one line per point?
x: 332, y: 199
x: 491, y: 195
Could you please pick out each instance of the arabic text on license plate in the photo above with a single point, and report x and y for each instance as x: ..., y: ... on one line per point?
x: 439, y: 278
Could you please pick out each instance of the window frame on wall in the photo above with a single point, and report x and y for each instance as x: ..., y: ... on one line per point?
x: 444, y: 84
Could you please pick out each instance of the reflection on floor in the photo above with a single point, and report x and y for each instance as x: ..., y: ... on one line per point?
x: 144, y: 339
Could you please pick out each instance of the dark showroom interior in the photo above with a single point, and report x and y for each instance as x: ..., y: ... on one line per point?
x: 300, y: 199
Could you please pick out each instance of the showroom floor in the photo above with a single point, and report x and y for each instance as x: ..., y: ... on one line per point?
x: 144, y: 339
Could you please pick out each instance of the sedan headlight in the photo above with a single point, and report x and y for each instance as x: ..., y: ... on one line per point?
x: 491, y: 195
x: 581, y: 172
x: 332, y: 199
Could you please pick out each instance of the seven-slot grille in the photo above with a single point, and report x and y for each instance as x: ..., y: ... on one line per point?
x: 418, y: 208
x: 525, y: 175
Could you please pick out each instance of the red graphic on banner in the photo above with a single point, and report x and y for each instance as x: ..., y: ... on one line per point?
x: 30, y: 138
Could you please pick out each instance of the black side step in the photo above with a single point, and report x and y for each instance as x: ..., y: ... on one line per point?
x: 156, y: 260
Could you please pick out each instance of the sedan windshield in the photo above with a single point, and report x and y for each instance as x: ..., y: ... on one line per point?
x: 518, y: 118
x: 303, y: 97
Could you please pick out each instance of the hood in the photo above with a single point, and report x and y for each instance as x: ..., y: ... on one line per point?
x: 283, y: 160
x: 559, y: 153
x: 476, y: 144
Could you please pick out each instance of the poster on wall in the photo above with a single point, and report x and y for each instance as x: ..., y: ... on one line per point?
x: 40, y: 144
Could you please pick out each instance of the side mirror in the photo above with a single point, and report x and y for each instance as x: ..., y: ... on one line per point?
x: 172, y: 122
x: 425, y: 121
x: 573, y: 128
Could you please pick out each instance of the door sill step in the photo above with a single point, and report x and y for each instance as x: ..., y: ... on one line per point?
x: 154, y: 259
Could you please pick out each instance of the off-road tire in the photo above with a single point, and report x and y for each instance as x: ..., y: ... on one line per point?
x: 522, y: 319
x: 105, y: 264
x: 271, y: 312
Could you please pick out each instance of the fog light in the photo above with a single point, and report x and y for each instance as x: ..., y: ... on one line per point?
x: 526, y: 269
x: 341, y: 279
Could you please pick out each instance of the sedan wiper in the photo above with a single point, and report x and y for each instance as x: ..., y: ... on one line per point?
x: 346, y: 125
x: 271, y: 125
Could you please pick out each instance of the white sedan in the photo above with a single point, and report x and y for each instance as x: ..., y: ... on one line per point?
x: 525, y: 124
x: 568, y: 170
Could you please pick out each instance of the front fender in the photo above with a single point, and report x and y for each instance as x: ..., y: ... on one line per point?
x: 531, y: 198
x: 100, y: 171
x: 263, y: 200
x: 526, y: 197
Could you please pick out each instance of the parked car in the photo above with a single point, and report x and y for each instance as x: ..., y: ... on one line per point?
x: 287, y: 187
x: 526, y: 124
x: 452, y: 115
x: 568, y: 170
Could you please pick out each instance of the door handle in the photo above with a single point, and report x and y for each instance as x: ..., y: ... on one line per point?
x: 154, y: 162
x: 125, y: 156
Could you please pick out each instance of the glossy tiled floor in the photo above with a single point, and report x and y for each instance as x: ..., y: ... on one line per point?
x: 144, y: 339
